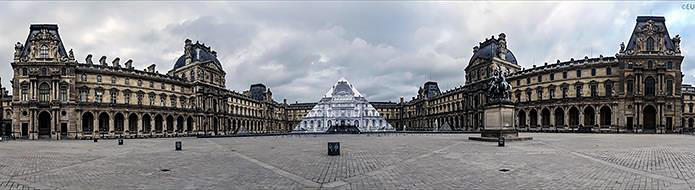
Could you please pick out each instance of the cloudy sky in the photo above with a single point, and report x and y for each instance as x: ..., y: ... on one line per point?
x: 299, y: 49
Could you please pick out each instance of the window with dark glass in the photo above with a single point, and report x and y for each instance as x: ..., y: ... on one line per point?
x: 579, y: 73
x: 528, y: 95
x: 518, y: 83
x: 25, y: 92
x: 98, y: 78
x: 44, y: 92
x: 539, y: 93
x: 609, y: 88
x: 609, y: 71
x: 126, y: 98
x: 551, y: 93
x: 578, y: 90
x: 630, y: 87
x: 593, y: 71
x: 649, y: 86
x: 594, y: 91
x: 669, y: 65
x: 540, y: 78
x: 528, y: 80
x: 24, y: 72
x: 63, y: 93
x: 113, y: 79
x: 669, y: 87
x: 564, y: 75
x: 552, y: 76
x: 650, y: 44
x: 564, y: 92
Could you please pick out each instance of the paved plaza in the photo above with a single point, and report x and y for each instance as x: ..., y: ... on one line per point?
x: 395, y: 161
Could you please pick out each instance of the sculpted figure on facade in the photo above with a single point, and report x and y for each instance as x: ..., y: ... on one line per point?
x: 677, y: 42
x: 18, y: 50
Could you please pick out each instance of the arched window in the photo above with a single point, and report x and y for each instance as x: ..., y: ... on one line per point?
x: 44, y: 92
x: 649, y: 86
x: 650, y: 44
x: 43, y: 52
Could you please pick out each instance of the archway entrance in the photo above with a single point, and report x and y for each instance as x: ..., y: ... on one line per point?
x: 103, y: 123
x: 44, y: 125
x: 522, y: 118
x: 649, y: 118
x: 559, y: 117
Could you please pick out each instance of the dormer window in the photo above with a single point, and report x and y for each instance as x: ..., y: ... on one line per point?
x: 43, y: 52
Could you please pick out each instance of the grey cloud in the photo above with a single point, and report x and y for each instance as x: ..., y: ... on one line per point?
x: 299, y: 49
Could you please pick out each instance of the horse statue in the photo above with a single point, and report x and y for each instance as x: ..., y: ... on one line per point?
x: 499, y: 89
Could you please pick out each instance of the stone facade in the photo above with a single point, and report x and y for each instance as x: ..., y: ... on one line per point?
x: 57, y: 96
x: 637, y: 90
x: 54, y: 95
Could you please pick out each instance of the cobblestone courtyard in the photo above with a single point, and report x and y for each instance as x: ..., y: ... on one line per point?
x: 412, y: 161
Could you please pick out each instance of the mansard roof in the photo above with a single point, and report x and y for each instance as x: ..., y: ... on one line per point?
x: 655, y: 23
x: 199, y: 53
x: 490, y: 48
x: 43, y: 32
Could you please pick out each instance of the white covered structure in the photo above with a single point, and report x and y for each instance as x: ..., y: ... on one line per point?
x: 343, y: 105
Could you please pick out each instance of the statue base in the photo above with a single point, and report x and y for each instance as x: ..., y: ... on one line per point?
x: 499, y: 122
x: 492, y: 135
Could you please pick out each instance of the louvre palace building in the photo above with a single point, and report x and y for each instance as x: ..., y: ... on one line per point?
x: 55, y: 95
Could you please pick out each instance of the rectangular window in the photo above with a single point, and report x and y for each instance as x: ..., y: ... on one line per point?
x: 578, y: 90
x: 609, y: 71
x: 63, y: 93
x: 669, y: 87
x: 528, y: 80
x: 540, y: 78
x: 594, y: 91
x: 564, y: 75
x: 518, y: 83
x: 669, y: 65
x: 629, y: 87
x: 114, y: 95
x: 97, y: 96
x: 83, y: 96
x: 540, y: 94
x: 551, y: 92
x: 593, y: 72
x: 25, y: 93
x: 579, y: 73
x: 127, y: 98
x: 552, y: 76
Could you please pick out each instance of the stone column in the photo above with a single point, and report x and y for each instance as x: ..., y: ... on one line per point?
x: 111, y: 125
x: 138, y: 132
x: 126, y: 124
x: 95, y: 126
x: 176, y: 127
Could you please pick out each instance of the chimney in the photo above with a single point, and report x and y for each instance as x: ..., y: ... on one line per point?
x: 151, y: 68
x: 401, y: 99
x: 284, y: 101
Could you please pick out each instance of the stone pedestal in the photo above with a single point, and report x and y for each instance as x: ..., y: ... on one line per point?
x: 499, y: 122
